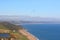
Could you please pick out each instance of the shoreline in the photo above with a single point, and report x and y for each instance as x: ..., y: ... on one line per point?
x: 28, y: 35
x: 37, y: 23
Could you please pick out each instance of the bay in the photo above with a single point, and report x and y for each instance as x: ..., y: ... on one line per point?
x: 44, y: 31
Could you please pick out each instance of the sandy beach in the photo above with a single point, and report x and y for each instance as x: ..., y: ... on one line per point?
x: 28, y: 35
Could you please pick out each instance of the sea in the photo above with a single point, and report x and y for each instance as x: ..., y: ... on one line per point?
x: 44, y: 31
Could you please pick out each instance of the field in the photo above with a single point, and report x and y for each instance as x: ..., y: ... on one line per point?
x: 10, y: 28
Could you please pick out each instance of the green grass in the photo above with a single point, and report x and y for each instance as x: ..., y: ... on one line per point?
x: 2, y: 27
x: 18, y: 35
x: 24, y: 38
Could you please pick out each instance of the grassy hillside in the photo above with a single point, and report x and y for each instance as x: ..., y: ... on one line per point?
x: 11, y: 27
x: 2, y: 27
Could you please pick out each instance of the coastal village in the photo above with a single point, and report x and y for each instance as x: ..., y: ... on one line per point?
x: 13, y: 32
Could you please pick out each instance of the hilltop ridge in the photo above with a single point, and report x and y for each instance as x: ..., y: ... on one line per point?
x: 11, y: 26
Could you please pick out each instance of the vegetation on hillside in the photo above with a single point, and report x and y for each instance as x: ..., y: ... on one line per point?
x: 11, y: 27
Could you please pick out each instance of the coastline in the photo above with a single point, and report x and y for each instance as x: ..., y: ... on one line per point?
x: 38, y: 23
x: 27, y: 34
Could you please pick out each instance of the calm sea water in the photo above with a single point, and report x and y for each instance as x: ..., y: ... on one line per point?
x: 44, y: 31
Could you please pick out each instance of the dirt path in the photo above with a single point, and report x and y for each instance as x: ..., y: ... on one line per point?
x: 28, y: 35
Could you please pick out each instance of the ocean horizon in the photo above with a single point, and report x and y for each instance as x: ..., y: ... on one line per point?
x: 44, y: 31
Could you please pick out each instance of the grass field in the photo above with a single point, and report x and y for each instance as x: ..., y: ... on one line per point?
x: 2, y: 27
x: 16, y: 34
x: 19, y: 36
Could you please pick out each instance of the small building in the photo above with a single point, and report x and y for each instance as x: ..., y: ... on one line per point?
x: 6, y: 36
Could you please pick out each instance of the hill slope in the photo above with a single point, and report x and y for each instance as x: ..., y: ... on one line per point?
x: 13, y: 29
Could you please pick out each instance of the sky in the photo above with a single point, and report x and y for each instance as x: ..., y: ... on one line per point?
x: 40, y: 8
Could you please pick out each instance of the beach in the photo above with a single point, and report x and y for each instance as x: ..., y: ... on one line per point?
x: 27, y: 34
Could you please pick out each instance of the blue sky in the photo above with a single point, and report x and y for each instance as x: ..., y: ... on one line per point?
x: 42, y: 8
